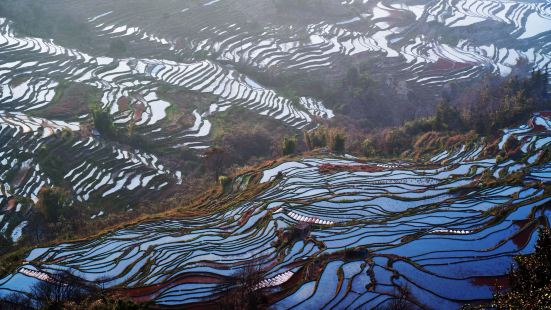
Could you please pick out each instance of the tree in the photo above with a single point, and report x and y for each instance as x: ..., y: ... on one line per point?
x: 215, y: 160
x: 447, y: 117
x: 289, y: 145
x: 307, y: 140
x: 368, y: 148
x: 66, y: 291
x: 240, y: 291
x: 530, y: 280
x: 53, y: 203
x: 103, y: 122
x: 62, y: 287
x: 337, y: 142
x: 16, y: 301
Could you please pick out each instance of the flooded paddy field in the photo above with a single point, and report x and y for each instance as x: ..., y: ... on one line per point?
x: 328, y: 231
x: 419, y: 46
x: 335, y: 232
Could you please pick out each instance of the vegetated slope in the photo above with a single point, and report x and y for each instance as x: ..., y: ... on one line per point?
x: 337, y: 232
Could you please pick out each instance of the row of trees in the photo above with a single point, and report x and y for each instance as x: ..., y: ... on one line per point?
x: 240, y: 148
x: 322, y: 137
x: 66, y: 291
x: 498, y: 104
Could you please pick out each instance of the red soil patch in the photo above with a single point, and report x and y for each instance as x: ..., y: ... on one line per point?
x: 535, y: 126
x: 522, y: 238
x: 497, y: 282
x: 138, y: 111
x: 58, y: 260
x: 123, y: 103
x: 11, y: 204
x: 330, y: 168
x: 245, y: 217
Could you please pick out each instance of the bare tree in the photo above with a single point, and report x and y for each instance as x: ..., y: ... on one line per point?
x: 241, y: 293
x: 61, y: 288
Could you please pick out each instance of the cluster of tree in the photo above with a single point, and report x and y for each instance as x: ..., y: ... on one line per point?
x: 55, y: 214
x: 500, y: 103
x: 321, y: 137
x: 54, y: 203
x: 105, y: 125
x: 245, y: 144
x: 459, y: 118
x: 240, y: 292
x: 289, y: 146
x: 369, y: 100
x: 103, y: 122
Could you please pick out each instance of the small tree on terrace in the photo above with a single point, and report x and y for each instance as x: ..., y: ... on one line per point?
x: 337, y: 142
x: 240, y: 291
x: 289, y: 145
x: 53, y: 202
x: 215, y: 160
x: 368, y: 148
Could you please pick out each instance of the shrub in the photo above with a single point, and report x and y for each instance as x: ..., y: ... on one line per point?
x: 289, y: 146
x: 224, y: 180
x: 368, y: 148
x: 239, y: 292
x: 103, y: 122
x: 316, y: 138
x: 337, y: 142
x: 53, y: 202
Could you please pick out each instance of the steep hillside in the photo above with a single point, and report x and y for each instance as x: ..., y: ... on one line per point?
x: 334, y: 231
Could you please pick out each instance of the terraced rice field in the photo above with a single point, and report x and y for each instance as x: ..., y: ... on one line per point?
x: 91, y: 167
x: 217, y: 48
x: 369, y: 230
x: 418, y: 43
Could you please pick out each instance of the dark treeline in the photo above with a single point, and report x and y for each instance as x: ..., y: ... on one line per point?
x: 461, y: 117
x: 529, y: 280
x: 483, y: 111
